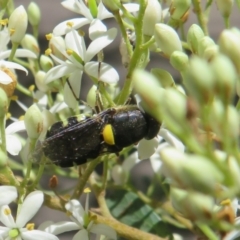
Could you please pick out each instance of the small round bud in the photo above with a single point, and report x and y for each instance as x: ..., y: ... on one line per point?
x: 167, y: 39
x: 29, y: 42
x: 91, y: 96
x: 179, y: 10
x: 194, y: 35
x: 225, y: 7
x: 3, y: 103
x: 17, y: 24
x: 229, y: 45
x: 179, y: 60
x: 33, y: 122
x: 34, y: 14
x: 203, y: 44
x: 46, y: 63
x: 112, y: 5
x: 40, y: 81
x: 152, y: 15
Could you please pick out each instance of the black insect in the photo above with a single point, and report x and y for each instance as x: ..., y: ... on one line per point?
x: 77, y: 142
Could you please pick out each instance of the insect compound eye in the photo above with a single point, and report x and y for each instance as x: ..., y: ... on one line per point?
x: 108, y: 135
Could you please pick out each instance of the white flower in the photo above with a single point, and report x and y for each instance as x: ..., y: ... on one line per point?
x: 96, y: 26
x: 7, y: 194
x: 78, y: 61
x: 14, y: 229
x: 13, y: 143
x: 81, y: 222
x: 4, y: 53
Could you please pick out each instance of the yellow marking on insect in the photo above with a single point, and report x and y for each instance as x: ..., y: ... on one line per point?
x: 108, y: 135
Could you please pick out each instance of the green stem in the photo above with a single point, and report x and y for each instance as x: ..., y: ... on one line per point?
x: 32, y: 144
x: 82, y: 180
x: 3, y: 135
x: 227, y: 22
x: 208, y: 232
x: 127, y: 88
x: 13, y: 51
x: 35, y: 31
x: 23, y: 90
x: 39, y: 174
x: 105, y: 174
x: 200, y: 15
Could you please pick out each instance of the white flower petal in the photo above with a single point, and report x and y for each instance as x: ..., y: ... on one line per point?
x: 118, y: 175
x: 96, y: 29
x: 171, y: 139
x: 7, y: 219
x: 130, y: 162
x: 29, y: 208
x: 84, y: 10
x: 101, y: 42
x: 103, y: 13
x: 63, y: 28
x: 7, y: 194
x: 15, y: 127
x: 37, y: 235
x: 57, y: 107
x: 76, y: 42
x: 107, y: 73
x: 3, y: 232
x: 12, y: 65
x: 70, y: 5
x: 82, y: 234
x: 14, y: 145
x: 103, y: 229
x: 61, y: 227
x: 131, y: 7
x: 4, y: 78
x: 58, y: 72
x: 146, y: 148
x: 76, y: 209
x: 25, y: 53
x: 75, y: 80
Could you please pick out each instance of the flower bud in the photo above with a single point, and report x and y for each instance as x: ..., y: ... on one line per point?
x: 164, y: 77
x: 193, y: 205
x: 229, y: 45
x: 34, y: 14
x: 210, y: 52
x: 145, y: 83
x: 226, y: 77
x: 167, y: 39
x: 46, y: 63
x: 203, y: 44
x: 17, y: 24
x: 3, y: 103
x: 179, y: 60
x: 200, y: 86
x: 9, y: 87
x: 40, y: 81
x: 112, y: 5
x: 194, y: 35
x: 225, y: 7
x: 91, y: 96
x: 186, y: 171
x: 33, y: 122
x: 29, y: 42
x: 179, y: 10
x: 152, y: 15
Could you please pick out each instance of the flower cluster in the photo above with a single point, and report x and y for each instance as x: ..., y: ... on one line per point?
x: 184, y: 128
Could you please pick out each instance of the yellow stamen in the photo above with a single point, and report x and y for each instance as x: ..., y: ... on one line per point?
x: 7, y: 211
x: 11, y: 31
x: 48, y: 52
x: 31, y: 88
x: 70, y: 24
x: 21, y: 118
x: 4, y: 22
x: 69, y: 52
x: 49, y: 36
x: 226, y: 202
x: 87, y: 190
x: 30, y: 226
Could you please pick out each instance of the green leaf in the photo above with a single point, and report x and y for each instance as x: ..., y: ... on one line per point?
x: 129, y: 209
